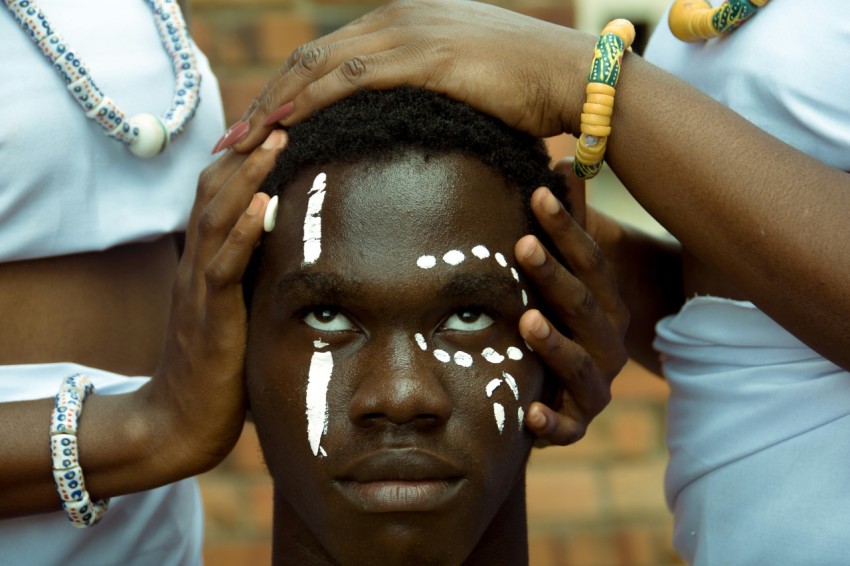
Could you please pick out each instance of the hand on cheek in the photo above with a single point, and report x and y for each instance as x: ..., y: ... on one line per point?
x: 583, y: 295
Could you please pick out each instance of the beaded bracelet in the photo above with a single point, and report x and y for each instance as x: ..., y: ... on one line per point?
x: 696, y: 20
x: 615, y: 39
x: 67, y: 473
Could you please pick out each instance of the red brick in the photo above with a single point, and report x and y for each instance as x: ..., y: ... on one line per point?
x: 588, y: 549
x: 638, y: 489
x: 635, y: 431
x: 279, y: 34
x: 238, y: 554
x: 635, y: 382
x: 238, y: 91
x: 221, y: 502
x: 261, y: 502
x: 562, y: 494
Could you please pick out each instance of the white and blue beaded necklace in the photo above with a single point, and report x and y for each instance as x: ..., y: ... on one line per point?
x: 145, y: 135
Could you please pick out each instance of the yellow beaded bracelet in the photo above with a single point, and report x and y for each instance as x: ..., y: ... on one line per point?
x: 696, y: 20
x: 614, y: 40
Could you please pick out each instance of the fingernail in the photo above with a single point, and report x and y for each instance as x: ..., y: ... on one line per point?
x: 270, y: 219
x: 279, y: 114
x: 540, y: 329
x: 235, y: 134
x: 254, y: 207
x: 275, y: 140
x: 536, y: 419
x: 551, y: 204
x: 533, y: 253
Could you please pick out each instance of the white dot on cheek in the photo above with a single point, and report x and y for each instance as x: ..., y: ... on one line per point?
x: 500, y: 259
x: 492, y: 356
x: 514, y: 353
x: 524, y: 298
x: 463, y: 359
x: 442, y: 355
x: 420, y: 340
x: 515, y: 274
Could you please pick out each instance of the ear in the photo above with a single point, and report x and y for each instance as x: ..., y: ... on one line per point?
x: 575, y: 190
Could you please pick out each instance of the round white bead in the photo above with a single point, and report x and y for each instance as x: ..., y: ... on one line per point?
x: 153, y: 136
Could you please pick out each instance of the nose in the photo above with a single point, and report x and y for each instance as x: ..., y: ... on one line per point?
x: 400, y: 385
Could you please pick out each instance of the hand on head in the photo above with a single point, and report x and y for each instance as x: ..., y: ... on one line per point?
x: 456, y: 48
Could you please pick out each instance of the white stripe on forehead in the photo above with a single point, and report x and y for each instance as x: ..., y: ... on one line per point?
x: 313, y: 220
x: 318, y: 380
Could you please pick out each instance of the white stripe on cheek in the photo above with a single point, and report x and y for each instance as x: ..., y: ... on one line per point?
x: 499, y: 413
x: 520, y: 415
x: 318, y: 380
x: 492, y: 386
x: 500, y: 259
x: 509, y: 379
x: 313, y: 220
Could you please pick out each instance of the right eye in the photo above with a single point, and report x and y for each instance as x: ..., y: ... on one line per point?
x: 328, y: 319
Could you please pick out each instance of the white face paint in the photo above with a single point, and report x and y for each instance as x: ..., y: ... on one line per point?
x: 318, y: 344
x: 514, y: 353
x: 454, y: 257
x: 524, y: 298
x: 492, y: 356
x: 499, y: 413
x: 313, y: 220
x: 500, y: 259
x: 420, y: 340
x: 520, y: 416
x: 463, y: 359
x: 442, y: 355
x: 515, y: 274
x: 480, y: 252
x: 509, y: 379
x: 318, y: 380
x: 426, y: 261
x: 492, y: 386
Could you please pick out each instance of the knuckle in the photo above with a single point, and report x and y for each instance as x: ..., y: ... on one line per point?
x: 312, y: 58
x: 594, y: 258
x: 355, y: 69
x: 209, y: 223
x: 588, y: 303
x: 214, y: 276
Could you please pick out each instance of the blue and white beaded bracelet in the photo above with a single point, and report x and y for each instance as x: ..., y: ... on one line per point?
x: 67, y: 473
x: 145, y: 135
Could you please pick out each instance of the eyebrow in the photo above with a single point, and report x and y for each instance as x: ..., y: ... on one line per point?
x: 486, y: 286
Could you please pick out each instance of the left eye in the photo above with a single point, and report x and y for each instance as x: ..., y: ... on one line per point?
x: 328, y: 320
x: 468, y: 320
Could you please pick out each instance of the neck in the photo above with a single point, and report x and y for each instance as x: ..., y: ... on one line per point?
x: 505, y: 540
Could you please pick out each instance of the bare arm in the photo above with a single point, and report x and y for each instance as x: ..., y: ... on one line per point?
x: 773, y: 220
x: 187, y: 418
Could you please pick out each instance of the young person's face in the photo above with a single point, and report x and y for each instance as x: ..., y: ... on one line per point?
x: 385, y: 372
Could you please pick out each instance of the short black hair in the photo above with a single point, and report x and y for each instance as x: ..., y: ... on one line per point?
x: 381, y: 125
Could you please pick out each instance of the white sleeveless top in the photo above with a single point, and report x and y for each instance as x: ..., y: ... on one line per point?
x: 758, y: 423
x: 64, y: 186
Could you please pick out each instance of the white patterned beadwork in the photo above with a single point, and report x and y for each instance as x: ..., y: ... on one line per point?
x: 144, y: 135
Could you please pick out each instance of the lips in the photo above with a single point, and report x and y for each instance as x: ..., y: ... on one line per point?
x: 399, y: 480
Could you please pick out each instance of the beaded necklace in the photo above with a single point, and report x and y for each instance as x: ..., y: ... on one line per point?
x: 696, y: 20
x: 145, y: 135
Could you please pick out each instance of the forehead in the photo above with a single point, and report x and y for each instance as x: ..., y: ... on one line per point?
x: 379, y: 216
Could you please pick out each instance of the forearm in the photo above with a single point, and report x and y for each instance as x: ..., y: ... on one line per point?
x: 648, y: 271
x: 124, y: 448
x: 770, y: 218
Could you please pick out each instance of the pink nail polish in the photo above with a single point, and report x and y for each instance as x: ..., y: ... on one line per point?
x: 235, y: 134
x: 279, y: 114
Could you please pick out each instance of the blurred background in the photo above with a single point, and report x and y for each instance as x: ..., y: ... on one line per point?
x: 599, y: 502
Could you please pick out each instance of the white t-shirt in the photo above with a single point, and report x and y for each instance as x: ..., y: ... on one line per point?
x: 758, y: 423
x: 64, y: 186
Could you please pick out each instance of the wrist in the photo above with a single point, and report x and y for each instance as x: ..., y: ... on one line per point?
x: 576, y: 60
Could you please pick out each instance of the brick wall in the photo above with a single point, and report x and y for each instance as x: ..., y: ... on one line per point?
x: 597, y: 503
